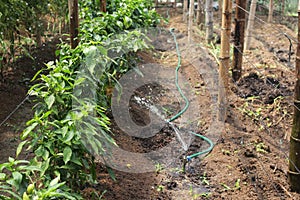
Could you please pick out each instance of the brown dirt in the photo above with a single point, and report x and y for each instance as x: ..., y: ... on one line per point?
x: 249, y: 160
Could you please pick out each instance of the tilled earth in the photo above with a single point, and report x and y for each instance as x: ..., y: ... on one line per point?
x: 249, y: 160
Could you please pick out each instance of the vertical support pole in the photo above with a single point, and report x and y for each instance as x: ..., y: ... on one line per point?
x: 239, y: 39
x: 294, y: 164
x: 103, y: 5
x: 191, y: 19
x: 200, y: 14
x: 224, y: 57
x: 74, y: 23
x: 271, y: 7
x: 209, y: 21
x: 250, y: 24
x: 185, y: 10
x: 220, y: 2
x: 282, y: 7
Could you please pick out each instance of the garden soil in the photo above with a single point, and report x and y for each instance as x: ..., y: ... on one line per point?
x: 250, y: 158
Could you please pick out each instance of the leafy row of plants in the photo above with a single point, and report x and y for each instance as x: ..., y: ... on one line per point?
x: 69, y: 128
x: 22, y: 24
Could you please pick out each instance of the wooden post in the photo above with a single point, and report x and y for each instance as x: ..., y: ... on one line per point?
x: 294, y: 164
x: 103, y: 5
x: 224, y: 57
x: 74, y: 23
x: 270, y: 16
x: 239, y: 33
x: 220, y: 2
x: 185, y: 10
x: 191, y: 19
x: 282, y: 7
x: 200, y: 14
x: 250, y: 24
x: 209, y: 21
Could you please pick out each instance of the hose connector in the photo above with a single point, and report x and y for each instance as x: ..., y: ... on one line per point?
x: 188, y: 158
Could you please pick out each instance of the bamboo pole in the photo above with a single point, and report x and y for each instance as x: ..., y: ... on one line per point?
x: 220, y: 2
x: 74, y: 23
x: 209, y: 21
x: 250, y: 25
x: 294, y: 164
x: 239, y: 39
x: 271, y: 6
x: 185, y: 10
x: 191, y: 19
x: 224, y: 57
x: 282, y: 7
x: 103, y: 5
x: 200, y: 14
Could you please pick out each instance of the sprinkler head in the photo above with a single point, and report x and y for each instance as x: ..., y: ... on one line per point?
x: 188, y: 158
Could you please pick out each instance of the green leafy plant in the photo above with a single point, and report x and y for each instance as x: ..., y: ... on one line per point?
x: 204, y: 179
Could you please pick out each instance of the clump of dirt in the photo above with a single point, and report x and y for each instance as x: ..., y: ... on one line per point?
x: 266, y: 89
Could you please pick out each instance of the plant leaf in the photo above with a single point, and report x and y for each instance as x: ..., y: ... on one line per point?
x: 28, y: 130
x: 20, y: 147
x: 50, y: 100
x: 67, y: 154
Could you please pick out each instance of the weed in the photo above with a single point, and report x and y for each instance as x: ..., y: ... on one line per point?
x: 196, y: 196
x: 160, y: 188
x: 204, y: 179
x: 226, y: 152
x: 226, y: 187
x: 236, y: 186
x: 262, y: 148
x: 158, y: 168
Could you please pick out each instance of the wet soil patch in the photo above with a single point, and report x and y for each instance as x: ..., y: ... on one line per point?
x: 151, y: 99
x: 265, y: 89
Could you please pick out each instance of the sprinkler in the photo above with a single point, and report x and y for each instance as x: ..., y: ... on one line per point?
x: 156, y: 111
x: 211, y: 144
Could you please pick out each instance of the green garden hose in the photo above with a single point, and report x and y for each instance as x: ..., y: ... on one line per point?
x: 211, y: 144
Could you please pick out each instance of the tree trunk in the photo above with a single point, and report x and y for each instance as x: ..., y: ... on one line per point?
x: 74, y: 24
x: 238, y: 39
x: 294, y: 164
x: 209, y: 21
x: 224, y: 57
x: 191, y: 19
x: 185, y: 10
x: 270, y: 16
x: 250, y: 24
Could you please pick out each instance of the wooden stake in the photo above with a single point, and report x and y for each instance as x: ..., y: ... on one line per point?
x: 103, y: 5
x: 270, y: 16
x: 224, y: 57
x: 191, y: 19
x: 250, y: 24
x: 200, y: 14
x: 74, y: 23
x: 239, y: 39
x: 282, y: 7
x: 185, y: 10
x: 294, y: 164
x: 209, y: 21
